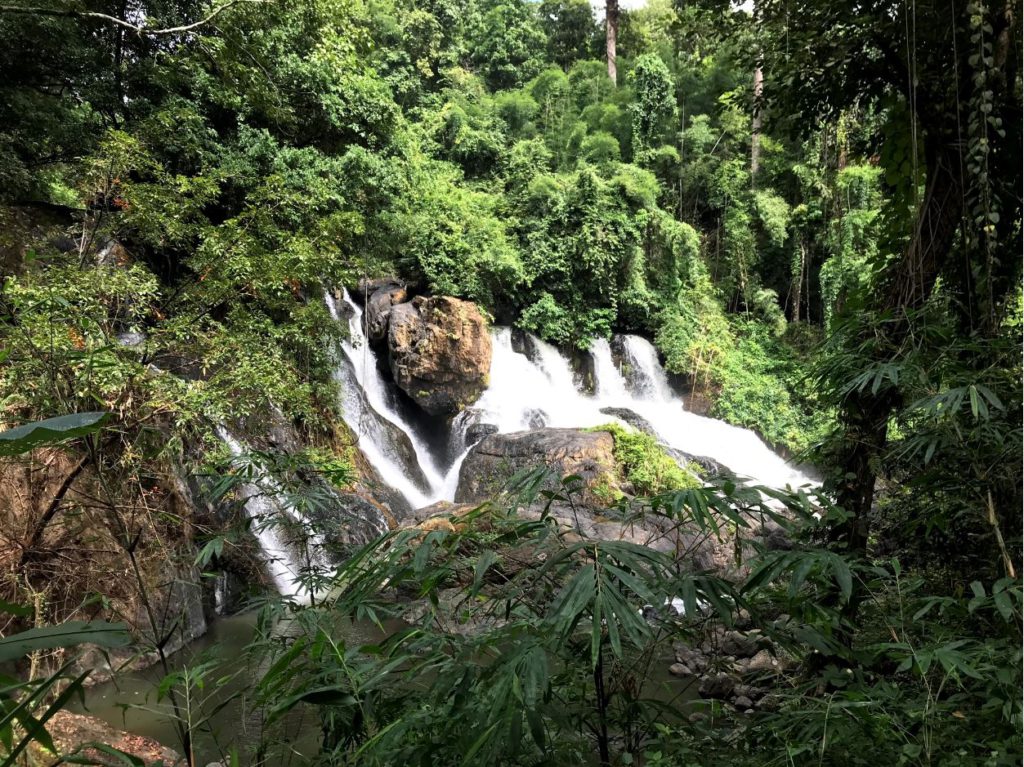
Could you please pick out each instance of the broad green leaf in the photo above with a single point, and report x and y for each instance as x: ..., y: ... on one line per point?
x: 479, y: 742
x: 23, y: 438
x: 486, y: 560
x: 843, y: 577
x: 59, y: 703
x: 65, y: 635
x: 22, y: 611
x: 124, y: 758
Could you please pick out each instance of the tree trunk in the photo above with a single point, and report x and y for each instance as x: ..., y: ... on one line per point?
x: 938, y: 219
x: 865, y: 414
x: 798, y: 280
x: 611, y: 26
x: 755, y: 128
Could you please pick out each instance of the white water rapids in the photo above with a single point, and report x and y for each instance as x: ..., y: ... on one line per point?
x: 264, y: 503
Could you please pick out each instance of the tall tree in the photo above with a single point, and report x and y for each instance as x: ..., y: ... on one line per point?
x: 611, y: 28
x: 755, y: 127
x: 571, y: 30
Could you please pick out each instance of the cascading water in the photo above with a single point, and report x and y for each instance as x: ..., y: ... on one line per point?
x: 264, y: 504
x: 609, y: 384
x: 739, y: 449
x: 522, y: 388
x: 532, y: 388
x: 368, y: 412
x: 647, y: 378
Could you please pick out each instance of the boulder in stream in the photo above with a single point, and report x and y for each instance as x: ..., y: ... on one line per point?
x: 440, y: 352
x: 347, y: 519
x: 496, y: 458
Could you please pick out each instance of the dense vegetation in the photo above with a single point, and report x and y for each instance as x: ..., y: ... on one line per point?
x: 830, y: 256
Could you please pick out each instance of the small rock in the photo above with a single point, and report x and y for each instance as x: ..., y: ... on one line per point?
x: 478, y: 431
x: 750, y: 691
x: 771, y: 702
x: 740, y: 645
x: 762, y: 661
x: 719, y: 686
x: 686, y: 654
x: 536, y: 418
x: 743, y: 703
x: 680, y: 669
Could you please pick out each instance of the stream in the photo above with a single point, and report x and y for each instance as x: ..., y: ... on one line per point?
x: 130, y: 703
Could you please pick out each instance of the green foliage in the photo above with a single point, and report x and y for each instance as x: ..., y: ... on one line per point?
x: 506, y: 662
x: 766, y: 388
x: 654, y: 105
x: 509, y: 45
x: 760, y: 380
x: 67, y: 634
x: 455, y: 241
x: 178, y: 203
x: 570, y: 28
x: 646, y: 465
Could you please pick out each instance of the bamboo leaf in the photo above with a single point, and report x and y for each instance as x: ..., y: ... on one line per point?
x: 23, y: 438
x: 65, y: 635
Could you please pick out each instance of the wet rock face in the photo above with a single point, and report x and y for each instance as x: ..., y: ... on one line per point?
x: 378, y: 309
x: 478, y: 431
x: 497, y: 457
x: 710, y: 466
x: 366, y: 287
x: 346, y: 520
x: 635, y: 420
x: 439, y: 350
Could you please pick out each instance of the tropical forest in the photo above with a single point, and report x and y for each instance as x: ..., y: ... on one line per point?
x: 511, y: 383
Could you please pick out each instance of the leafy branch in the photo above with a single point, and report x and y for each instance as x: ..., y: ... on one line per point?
x: 136, y: 28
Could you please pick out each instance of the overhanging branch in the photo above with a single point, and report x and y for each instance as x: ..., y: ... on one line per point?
x: 139, y: 30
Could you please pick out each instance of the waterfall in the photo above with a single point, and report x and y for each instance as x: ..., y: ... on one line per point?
x: 532, y: 388
x: 524, y: 391
x: 527, y: 394
x: 652, y: 398
x: 379, y: 427
x: 609, y: 383
x: 386, y: 438
x: 647, y: 378
x: 264, y: 504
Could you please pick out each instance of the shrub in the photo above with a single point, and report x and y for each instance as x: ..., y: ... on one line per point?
x: 645, y: 463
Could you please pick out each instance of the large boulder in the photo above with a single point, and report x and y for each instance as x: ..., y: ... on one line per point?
x: 440, y: 352
x: 579, y: 523
x: 493, y: 461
